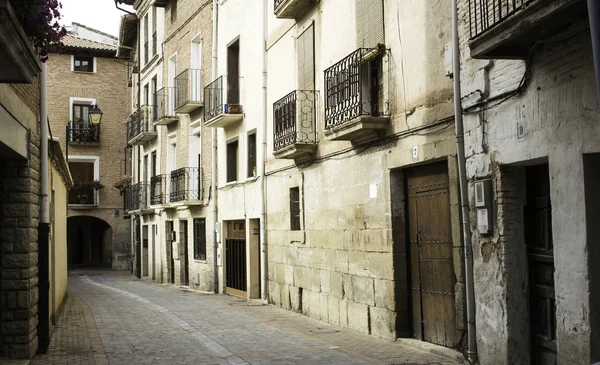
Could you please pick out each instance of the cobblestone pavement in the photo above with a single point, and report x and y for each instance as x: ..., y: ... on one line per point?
x: 112, y: 318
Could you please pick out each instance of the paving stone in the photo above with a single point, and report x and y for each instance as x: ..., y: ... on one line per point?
x: 113, y: 318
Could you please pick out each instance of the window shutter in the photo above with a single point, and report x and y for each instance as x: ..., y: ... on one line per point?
x: 306, y: 59
x: 369, y: 23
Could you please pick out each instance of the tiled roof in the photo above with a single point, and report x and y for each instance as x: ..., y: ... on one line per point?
x: 72, y: 41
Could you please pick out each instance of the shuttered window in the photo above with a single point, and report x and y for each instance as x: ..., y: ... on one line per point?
x: 295, y: 209
x: 305, y: 44
x: 200, y: 238
x: 369, y: 23
x: 232, y: 161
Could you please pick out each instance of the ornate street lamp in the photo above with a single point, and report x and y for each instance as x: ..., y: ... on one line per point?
x: 95, y: 115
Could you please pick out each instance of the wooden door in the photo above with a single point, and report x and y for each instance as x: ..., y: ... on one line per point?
x: 430, y: 250
x: 183, y: 253
x: 540, y: 254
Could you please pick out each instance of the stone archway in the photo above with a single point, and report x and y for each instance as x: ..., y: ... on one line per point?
x: 89, y: 241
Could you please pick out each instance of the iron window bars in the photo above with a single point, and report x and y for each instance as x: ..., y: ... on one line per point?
x: 294, y: 119
x: 217, y: 95
x: 354, y: 87
x: 164, y: 99
x: 189, y: 87
x: 486, y: 14
x: 158, y: 189
x: 141, y: 121
x: 185, y: 184
x: 136, y: 196
x: 82, y: 133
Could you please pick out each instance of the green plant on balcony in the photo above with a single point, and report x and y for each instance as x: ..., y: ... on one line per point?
x: 39, y: 19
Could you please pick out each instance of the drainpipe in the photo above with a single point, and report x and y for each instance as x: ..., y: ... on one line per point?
x: 215, y: 17
x: 594, y: 14
x: 464, y: 194
x: 263, y: 182
x: 44, y: 224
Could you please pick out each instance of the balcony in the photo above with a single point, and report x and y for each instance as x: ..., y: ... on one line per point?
x: 356, y: 108
x: 294, y: 119
x: 83, y: 134
x: 293, y: 9
x: 140, y: 129
x: 19, y: 62
x: 83, y: 197
x: 158, y: 190
x: 165, y: 106
x: 509, y: 28
x: 136, y: 197
x: 188, y: 96
x: 185, y: 186
x: 222, y: 103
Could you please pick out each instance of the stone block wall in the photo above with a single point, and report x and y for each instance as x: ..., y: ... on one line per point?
x: 19, y: 293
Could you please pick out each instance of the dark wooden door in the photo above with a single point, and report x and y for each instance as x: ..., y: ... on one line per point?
x: 169, y: 249
x: 540, y: 254
x: 183, y: 253
x: 430, y: 250
x: 233, y: 73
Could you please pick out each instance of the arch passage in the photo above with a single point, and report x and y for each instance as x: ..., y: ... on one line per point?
x: 89, y: 241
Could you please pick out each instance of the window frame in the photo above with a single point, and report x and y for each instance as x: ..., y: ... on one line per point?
x: 199, y: 227
x: 88, y: 159
x: 235, y: 156
x: 91, y: 67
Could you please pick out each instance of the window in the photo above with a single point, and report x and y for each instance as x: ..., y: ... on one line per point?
x: 81, y: 114
x: 173, y: 11
x: 200, y: 238
x: 232, y: 160
x: 295, y: 209
x: 153, y: 159
x: 252, y: 154
x: 146, y: 94
x: 85, y: 170
x: 305, y: 45
x: 154, y: 41
x: 233, y: 73
x: 83, y: 64
x: 146, y: 58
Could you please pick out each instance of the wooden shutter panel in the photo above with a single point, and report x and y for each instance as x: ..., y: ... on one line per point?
x: 369, y: 23
x: 306, y: 59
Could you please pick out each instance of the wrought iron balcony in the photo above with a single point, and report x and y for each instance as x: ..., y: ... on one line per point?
x: 356, y: 108
x: 164, y: 99
x: 185, y: 185
x: 158, y: 190
x: 294, y: 119
x: 293, y: 9
x: 189, y: 91
x: 508, y: 28
x: 222, y: 105
x: 83, y: 196
x: 136, y: 197
x: 140, y: 129
x: 83, y: 134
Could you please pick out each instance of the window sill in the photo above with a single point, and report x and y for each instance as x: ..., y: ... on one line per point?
x: 201, y: 261
x: 83, y: 72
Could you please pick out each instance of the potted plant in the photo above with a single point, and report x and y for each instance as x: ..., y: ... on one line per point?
x: 122, y: 183
x: 97, y: 185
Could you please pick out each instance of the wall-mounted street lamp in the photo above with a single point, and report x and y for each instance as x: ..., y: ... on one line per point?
x: 95, y: 115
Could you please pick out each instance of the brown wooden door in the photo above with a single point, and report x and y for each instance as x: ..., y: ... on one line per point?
x: 430, y: 250
x: 540, y: 254
x: 235, y: 259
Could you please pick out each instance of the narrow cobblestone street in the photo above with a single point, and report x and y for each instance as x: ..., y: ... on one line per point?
x: 113, y: 318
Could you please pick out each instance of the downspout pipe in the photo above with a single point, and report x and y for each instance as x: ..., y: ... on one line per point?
x: 44, y: 224
x: 594, y: 15
x: 464, y: 193
x: 263, y: 182
x: 214, y: 179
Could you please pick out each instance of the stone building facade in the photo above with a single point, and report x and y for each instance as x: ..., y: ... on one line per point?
x: 531, y: 122
x: 85, y: 74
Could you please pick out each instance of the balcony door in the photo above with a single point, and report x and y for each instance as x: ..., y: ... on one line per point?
x: 172, y: 73
x: 233, y: 73
x: 195, y: 70
x: 83, y: 174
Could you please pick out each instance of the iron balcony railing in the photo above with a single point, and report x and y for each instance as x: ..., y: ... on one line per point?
x: 354, y: 88
x: 185, y: 184
x: 222, y: 96
x: 136, y: 196
x: 158, y: 189
x: 294, y: 118
x: 189, y: 87
x: 141, y: 121
x: 154, y: 41
x: 83, y: 195
x: 146, y: 58
x: 83, y: 133
x: 164, y: 99
x: 486, y: 14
